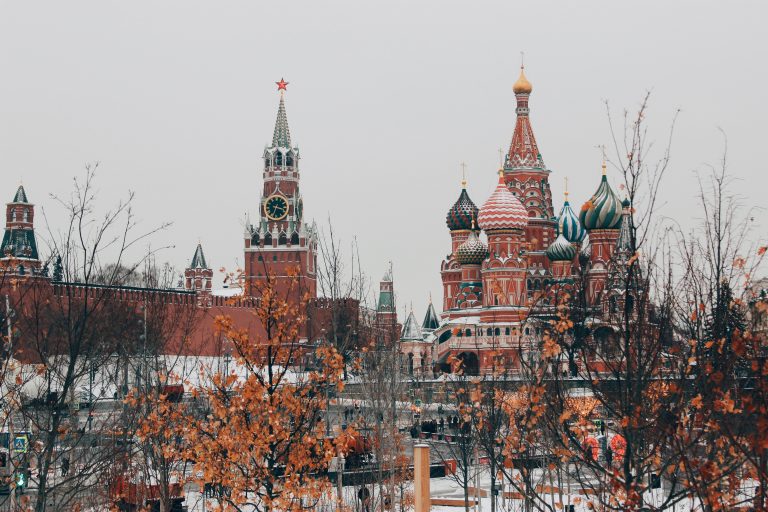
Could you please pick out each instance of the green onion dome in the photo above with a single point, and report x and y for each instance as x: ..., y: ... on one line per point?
x: 603, y: 210
x: 462, y: 214
x: 561, y: 250
x: 568, y: 225
x: 473, y: 251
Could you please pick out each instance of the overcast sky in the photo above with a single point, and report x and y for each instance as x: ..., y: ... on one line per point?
x: 177, y: 101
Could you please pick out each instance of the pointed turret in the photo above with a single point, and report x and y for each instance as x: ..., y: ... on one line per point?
x: 18, y: 250
x: 21, y: 195
x: 411, y: 329
x: 198, y: 260
x: 198, y: 276
x: 282, y: 135
x: 430, y: 322
x: 523, y: 151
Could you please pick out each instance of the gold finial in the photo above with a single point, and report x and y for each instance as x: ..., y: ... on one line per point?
x: 501, y: 172
x: 604, y: 167
x: 566, y: 188
x: 430, y: 297
x: 501, y: 157
x: 463, y: 175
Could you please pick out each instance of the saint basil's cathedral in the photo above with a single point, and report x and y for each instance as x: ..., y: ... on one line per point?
x: 489, y: 285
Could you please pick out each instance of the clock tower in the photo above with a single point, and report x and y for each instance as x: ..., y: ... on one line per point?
x: 280, y: 244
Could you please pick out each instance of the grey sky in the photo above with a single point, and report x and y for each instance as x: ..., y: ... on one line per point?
x: 177, y: 100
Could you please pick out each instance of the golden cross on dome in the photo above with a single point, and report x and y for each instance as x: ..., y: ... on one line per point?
x: 282, y: 85
x: 566, y: 188
x: 463, y: 175
x: 522, y: 60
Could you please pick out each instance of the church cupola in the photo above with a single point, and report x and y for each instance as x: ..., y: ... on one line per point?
x: 568, y: 224
x: 463, y: 213
x: 18, y: 251
x: 603, y: 210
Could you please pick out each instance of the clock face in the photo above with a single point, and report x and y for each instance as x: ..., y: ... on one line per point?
x: 276, y: 207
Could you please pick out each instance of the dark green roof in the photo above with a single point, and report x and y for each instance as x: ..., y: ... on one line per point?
x: 21, y: 196
x: 19, y: 243
x: 198, y: 260
x: 430, y: 319
x: 282, y: 136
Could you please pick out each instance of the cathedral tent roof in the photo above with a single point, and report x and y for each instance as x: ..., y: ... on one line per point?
x: 411, y: 329
x: 198, y: 260
x: 431, y: 321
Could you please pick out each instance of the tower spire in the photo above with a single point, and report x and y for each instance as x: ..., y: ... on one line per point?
x: 523, y: 151
x: 282, y: 135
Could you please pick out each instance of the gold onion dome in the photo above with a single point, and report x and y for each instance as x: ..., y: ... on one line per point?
x: 473, y: 251
x: 522, y: 86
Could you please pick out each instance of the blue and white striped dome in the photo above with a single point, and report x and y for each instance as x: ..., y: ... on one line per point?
x: 569, y: 226
x: 561, y: 250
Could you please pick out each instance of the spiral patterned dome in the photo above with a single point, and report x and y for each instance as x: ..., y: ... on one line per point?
x: 568, y: 225
x: 462, y: 214
x: 603, y: 210
x: 473, y: 251
x: 502, y: 210
x: 561, y: 250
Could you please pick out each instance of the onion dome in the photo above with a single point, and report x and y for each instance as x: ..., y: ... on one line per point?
x: 473, y: 251
x: 568, y: 224
x: 463, y: 213
x: 503, y: 210
x: 603, y: 210
x: 522, y: 86
x: 561, y: 250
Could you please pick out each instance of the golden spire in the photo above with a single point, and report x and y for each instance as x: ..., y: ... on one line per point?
x: 522, y: 86
x: 604, y: 167
x: 566, y: 188
x: 463, y: 175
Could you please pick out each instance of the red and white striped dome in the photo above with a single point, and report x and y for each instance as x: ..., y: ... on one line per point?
x: 503, y: 210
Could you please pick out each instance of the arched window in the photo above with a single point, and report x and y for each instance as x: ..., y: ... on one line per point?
x: 468, y: 332
x: 489, y: 332
x: 268, y: 239
x: 282, y: 239
x: 26, y: 215
x: 497, y: 332
x: 410, y: 364
x: 295, y: 238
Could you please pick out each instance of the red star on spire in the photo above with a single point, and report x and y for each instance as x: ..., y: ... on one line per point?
x: 282, y: 85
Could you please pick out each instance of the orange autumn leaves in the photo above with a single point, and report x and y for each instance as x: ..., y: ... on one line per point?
x: 258, y: 431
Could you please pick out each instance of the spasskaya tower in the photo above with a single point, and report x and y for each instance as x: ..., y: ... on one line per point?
x: 280, y: 242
